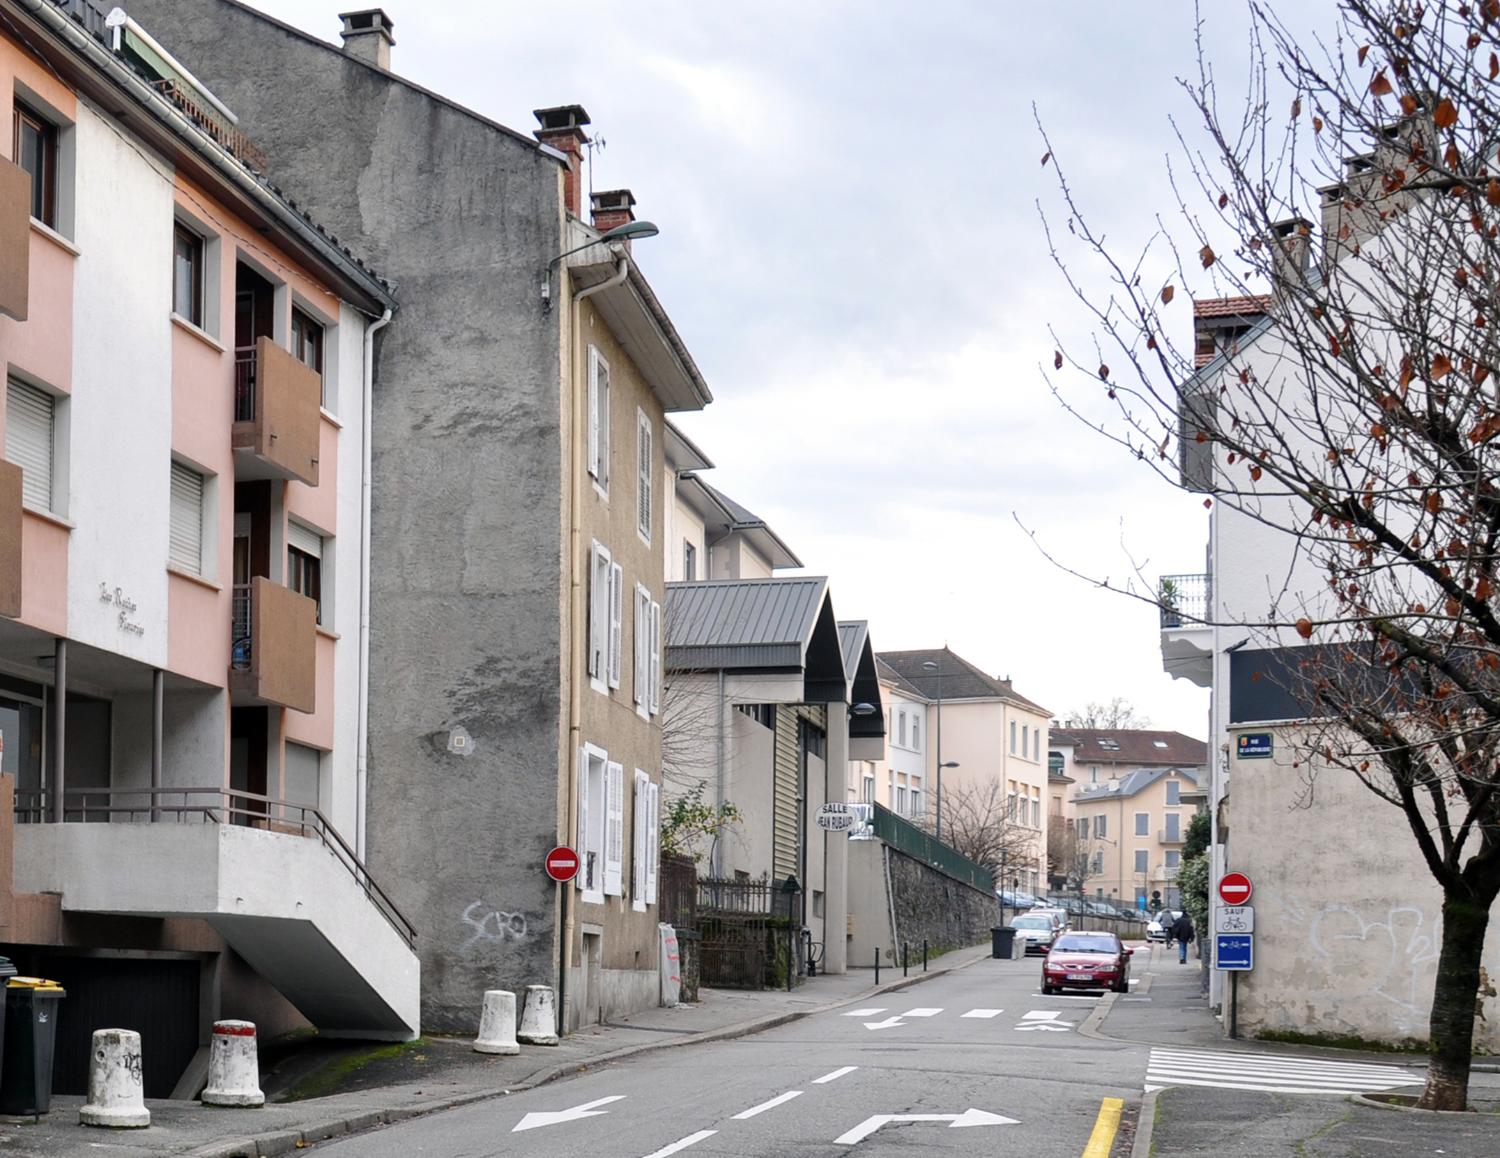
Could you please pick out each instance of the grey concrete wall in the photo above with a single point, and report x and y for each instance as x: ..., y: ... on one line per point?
x: 887, y: 886
x: 467, y: 479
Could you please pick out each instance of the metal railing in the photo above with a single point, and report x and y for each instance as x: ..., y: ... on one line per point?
x: 244, y: 383
x: 241, y: 620
x: 1185, y: 600
x: 213, y: 806
x: 908, y: 838
x: 1171, y: 835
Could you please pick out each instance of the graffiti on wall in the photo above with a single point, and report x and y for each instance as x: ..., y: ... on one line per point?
x: 491, y: 927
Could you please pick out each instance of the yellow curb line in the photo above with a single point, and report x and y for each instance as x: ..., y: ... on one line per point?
x: 1102, y: 1140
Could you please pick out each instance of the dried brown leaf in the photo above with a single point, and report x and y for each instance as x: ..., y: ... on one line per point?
x: 1166, y: 294
x: 1206, y: 256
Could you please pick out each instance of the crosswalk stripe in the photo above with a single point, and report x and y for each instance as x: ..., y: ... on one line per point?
x: 866, y: 1012
x: 921, y: 1012
x: 1264, y: 1072
x: 984, y: 1013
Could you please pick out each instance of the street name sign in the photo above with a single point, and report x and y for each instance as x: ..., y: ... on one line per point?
x: 561, y: 863
x: 837, y: 818
x: 1234, y: 919
x: 1234, y: 951
x: 1235, y: 889
x: 1253, y: 746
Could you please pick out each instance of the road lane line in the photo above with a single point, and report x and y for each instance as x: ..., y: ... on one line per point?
x: 984, y: 1013
x: 682, y: 1144
x: 865, y: 1012
x: 1106, y: 1125
x: 764, y: 1106
x: 922, y: 1012
x: 1042, y: 1015
x: 833, y: 1077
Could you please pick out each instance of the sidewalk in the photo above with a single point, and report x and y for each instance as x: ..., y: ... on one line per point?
x: 1166, y: 1007
x: 445, y: 1072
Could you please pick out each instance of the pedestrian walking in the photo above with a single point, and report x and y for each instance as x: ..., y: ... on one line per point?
x: 1183, y: 931
x: 1164, y: 919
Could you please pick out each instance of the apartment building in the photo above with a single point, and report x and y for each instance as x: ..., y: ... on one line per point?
x: 987, y: 750
x: 518, y: 511
x: 183, y: 564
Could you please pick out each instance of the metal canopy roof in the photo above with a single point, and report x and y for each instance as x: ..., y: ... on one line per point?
x: 862, y: 678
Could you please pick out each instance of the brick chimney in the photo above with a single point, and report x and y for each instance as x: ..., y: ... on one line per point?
x: 617, y: 207
x: 562, y: 129
x: 367, y: 35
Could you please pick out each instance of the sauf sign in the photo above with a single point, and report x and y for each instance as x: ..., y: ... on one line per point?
x: 837, y: 817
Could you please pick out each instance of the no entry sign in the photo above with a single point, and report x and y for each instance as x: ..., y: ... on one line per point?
x: 1235, y: 889
x: 562, y: 863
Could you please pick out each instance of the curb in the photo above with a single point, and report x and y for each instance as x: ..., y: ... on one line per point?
x: 1145, y: 1125
x: 278, y: 1142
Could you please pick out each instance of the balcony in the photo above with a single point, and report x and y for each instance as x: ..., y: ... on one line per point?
x: 1187, y: 640
x: 273, y: 647
x: 10, y: 539
x: 15, y: 240
x: 277, y: 418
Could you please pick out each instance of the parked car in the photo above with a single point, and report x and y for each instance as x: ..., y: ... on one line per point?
x: 1156, y: 928
x: 1059, y: 917
x: 1038, y: 931
x: 1087, y: 961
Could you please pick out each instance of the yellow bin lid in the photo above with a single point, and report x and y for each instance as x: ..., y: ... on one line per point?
x: 32, y: 983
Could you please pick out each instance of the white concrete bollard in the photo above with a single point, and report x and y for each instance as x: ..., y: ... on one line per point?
x: 233, y: 1067
x: 115, y: 1090
x: 538, y: 1016
x: 497, y: 1023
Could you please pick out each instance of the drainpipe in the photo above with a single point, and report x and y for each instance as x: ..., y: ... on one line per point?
x: 361, y: 735
x: 718, y: 849
x: 59, y: 726
x: 158, y: 682
x: 577, y: 621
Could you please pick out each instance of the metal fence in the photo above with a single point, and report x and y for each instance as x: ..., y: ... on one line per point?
x: 1185, y: 600
x: 906, y: 837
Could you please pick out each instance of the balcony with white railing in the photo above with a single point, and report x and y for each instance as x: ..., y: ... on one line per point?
x: 1187, y: 639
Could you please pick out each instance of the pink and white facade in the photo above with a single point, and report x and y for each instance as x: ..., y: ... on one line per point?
x: 183, y: 554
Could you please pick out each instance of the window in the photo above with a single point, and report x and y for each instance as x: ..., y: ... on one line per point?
x: 916, y: 802
x: 606, y: 583
x: 1174, y: 858
x: 1143, y: 824
x: 901, y: 728
x: 646, y: 831
x: 689, y: 562
x: 185, y: 541
x: 302, y: 765
x: 1142, y: 857
x: 1101, y: 827
x: 592, y: 786
x: 304, y: 563
x: 1109, y: 744
x: 1012, y: 736
x: 868, y: 790
x: 614, y: 829
x: 644, y: 475
x: 762, y: 714
x: 598, y: 434
x: 1098, y: 862
x: 641, y: 678
x: 1036, y: 743
x: 1025, y: 742
x: 1083, y: 828
x: 916, y: 732
x: 655, y: 673
x: 1174, y: 826
x: 1036, y: 812
x: 30, y: 427
x: 307, y: 345
x: 1174, y: 792
x: 34, y: 148
x: 900, y: 801
x: 187, y: 275
x: 1010, y: 803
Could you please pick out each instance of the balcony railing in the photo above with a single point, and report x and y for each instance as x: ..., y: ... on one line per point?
x: 1171, y: 835
x: 277, y: 421
x: 244, y: 384
x: 272, y: 645
x: 1185, y: 600
x: 213, y: 806
x: 241, y: 639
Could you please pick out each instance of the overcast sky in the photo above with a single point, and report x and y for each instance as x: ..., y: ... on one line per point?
x: 847, y: 194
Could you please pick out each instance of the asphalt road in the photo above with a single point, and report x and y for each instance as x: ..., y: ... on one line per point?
x: 974, y: 1063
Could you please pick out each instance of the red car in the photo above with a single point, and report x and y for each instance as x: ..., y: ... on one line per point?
x: 1087, y: 961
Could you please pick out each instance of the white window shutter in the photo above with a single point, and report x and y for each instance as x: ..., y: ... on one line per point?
x: 642, y: 641
x: 639, y: 829
x: 29, y: 422
x: 655, y: 677
x: 653, y: 840
x: 593, y: 417
x: 598, y: 642
x: 616, y: 615
x: 643, y: 476
x: 581, y: 846
x: 185, y: 521
x: 614, y: 828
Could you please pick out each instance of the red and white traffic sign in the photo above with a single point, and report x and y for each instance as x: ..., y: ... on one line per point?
x: 1235, y: 889
x: 562, y: 863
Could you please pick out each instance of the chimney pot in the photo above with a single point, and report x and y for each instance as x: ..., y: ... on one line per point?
x: 1290, y: 257
x: 612, y: 209
x: 368, y: 36
x: 562, y: 129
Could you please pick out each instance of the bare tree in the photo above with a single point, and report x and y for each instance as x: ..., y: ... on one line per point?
x: 1359, y: 420
x: 1073, y: 858
x: 977, y: 823
x: 1117, y: 715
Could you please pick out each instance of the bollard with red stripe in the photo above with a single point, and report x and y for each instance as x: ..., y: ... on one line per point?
x: 233, y: 1067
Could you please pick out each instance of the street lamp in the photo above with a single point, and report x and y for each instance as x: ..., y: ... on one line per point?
x: 630, y: 231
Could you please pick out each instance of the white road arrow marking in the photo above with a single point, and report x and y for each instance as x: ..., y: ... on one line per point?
x: 886, y: 1024
x: 1051, y: 1027
x: 865, y: 1012
x: 984, y: 1013
x: 969, y: 1117
x: 553, y: 1117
